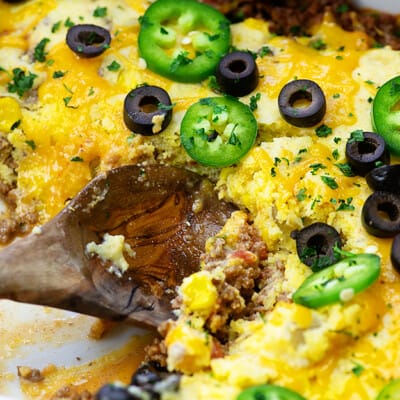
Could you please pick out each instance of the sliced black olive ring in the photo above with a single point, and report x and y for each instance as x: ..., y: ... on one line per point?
x: 395, y: 253
x: 385, y: 178
x: 381, y: 214
x: 88, y: 40
x: 364, y: 155
x: 237, y: 73
x: 315, y: 245
x: 302, y: 103
x: 147, y: 110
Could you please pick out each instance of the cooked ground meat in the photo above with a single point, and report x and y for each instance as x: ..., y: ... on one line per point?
x: 295, y: 17
x: 70, y: 393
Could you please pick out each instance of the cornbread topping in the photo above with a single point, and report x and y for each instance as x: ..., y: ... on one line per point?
x: 245, y: 319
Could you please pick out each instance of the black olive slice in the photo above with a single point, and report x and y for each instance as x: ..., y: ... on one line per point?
x: 395, y: 253
x: 151, y: 373
x: 148, y: 374
x: 315, y: 245
x: 385, y: 178
x: 364, y: 155
x: 111, y: 391
x: 302, y: 103
x: 381, y: 214
x: 88, y: 40
x: 237, y: 73
x: 147, y: 110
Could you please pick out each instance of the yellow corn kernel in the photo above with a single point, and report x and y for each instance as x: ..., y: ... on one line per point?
x: 199, y: 294
x: 189, y: 350
x: 10, y: 113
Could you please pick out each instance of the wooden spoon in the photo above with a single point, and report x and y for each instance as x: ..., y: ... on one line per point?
x: 165, y: 214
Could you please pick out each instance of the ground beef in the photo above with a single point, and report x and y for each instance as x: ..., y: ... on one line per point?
x: 71, y: 393
x: 296, y: 17
x: 246, y: 273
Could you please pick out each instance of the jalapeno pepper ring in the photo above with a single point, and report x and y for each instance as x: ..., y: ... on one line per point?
x: 183, y: 40
x: 218, y: 131
x: 269, y: 392
x: 339, y: 282
x: 386, y: 115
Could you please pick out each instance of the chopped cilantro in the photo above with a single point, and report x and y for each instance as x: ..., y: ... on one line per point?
x: 301, y: 194
x: 335, y: 154
x: 318, y: 44
x: 273, y: 172
x: 15, y: 125
x: 91, y: 91
x: 58, y: 74
x: 253, y: 101
x: 114, y: 66
x: 329, y: 181
x: 336, y: 95
x: 337, y: 139
x: 315, y: 167
x: 166, y: 107
x: 31, y: 144
x: 213, y: 84
x: 357, y: 369
x: 130, y: 138
x: 342, y: 8
x: 67, y: 100
x: 21, y: 82
x: 339, y: 58
x: 76, y: 159
x: 323, y: 131
x: 356, y: 136
x: 345, y: 168
x: 345, y: 205
x: 265, y: 51
x: 68, y: 23
x: 56, y: 27
x: 180, y: 60
x: 100, y: 12
x: 39, y: 53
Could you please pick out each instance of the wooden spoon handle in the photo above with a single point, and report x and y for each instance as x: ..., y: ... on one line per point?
x: 38, y: 269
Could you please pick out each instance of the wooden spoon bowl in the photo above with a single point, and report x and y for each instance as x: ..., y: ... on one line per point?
x: 165, y: 215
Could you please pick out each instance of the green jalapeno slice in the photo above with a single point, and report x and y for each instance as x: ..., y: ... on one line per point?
x: 183, y: 40
x: 218, y: 131
x: 391, y: 391
x: 339, y: 282
x: 268, y: 392
x: 386, y: 114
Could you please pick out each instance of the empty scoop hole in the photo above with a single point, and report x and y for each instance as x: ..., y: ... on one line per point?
x: 149, y: 104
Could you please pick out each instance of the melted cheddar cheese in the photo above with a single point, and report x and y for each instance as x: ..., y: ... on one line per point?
x: 68, y: 128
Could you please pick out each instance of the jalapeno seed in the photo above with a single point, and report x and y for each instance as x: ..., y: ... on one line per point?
x: 380, y: 214
x: 364, y: 155
x: 237, y: 73
x: 302, y: 103
x: 88, y: 40
x: 147, y: 110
